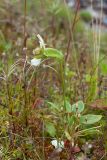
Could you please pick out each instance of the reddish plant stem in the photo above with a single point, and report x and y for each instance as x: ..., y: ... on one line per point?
x: 25, y: 8
x: 25, y: 52
x: 72, y: 29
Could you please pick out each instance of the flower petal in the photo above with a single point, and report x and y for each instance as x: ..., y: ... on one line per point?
x: 35, y: 62
x: 57, y: 144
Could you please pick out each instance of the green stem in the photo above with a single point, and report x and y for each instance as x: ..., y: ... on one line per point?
x: 62, y: 68
x: 10, y: 111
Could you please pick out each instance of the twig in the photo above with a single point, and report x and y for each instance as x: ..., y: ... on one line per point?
x: 24, y: 69
x: 72, y: 29
x: 25, y: 7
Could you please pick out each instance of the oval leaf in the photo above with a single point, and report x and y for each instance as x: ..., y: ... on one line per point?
x: 78, y: 107
x: 68, y: 106
x: 51, y: 129
x: 90, y: 119
x: 90, y: 131
x: 53, y: 53
x: 71, y: 120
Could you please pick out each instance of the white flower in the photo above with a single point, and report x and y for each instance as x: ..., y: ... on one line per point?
x: 35, y: 62
x: 57, y: 144
x: 41, y: 41
x: 90, y: 146
x: 3, y: 53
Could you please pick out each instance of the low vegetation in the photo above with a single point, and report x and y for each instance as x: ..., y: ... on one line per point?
x: 52, y: 82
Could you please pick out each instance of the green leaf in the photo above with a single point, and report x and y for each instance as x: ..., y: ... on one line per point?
x: 71, y: 120
x: 90, y: 131
x: 69, y: 73
x: 78, y: 107
x: 51, y: 129
x: 68, y: 106
x: 90, y: 119
x: 53, y: 53
x: 53, y: 106
x: 88, y: 77
x: 104, y: 68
